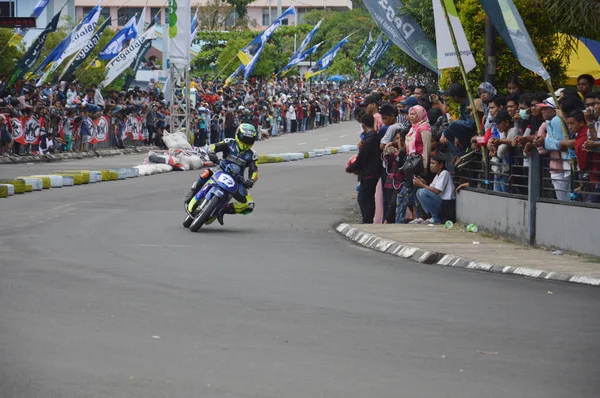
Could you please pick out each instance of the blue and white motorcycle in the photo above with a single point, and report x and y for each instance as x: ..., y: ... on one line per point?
x: 223, y: 182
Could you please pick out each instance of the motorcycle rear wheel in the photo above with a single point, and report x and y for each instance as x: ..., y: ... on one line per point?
x: 204, y: 214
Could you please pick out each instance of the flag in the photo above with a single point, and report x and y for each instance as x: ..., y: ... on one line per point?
x: 39, y: 8
x: 78, y: 40
x: 115, y: 45
x: 234, y: 74
x: 141, y: 22
x: 445, y: 49
x: 141, y: 55
x: 250, y: 67
x: 245, y: 54
x: 64, y: 44
x: 33, y: 52
x: 85, y: 51
x: 506, y: 19
x: 126, y: 57
x: 365, y: 46
x: 300, y: 54
x: 194, y: 27
x: 326, y: 60
x: 404, y: 31
x: 387, y: 70
x: 374, y: 51
x: 195, y: 22
x: 84, y: 33
x: 297, y: 60
x: 20, y: 33
x: 379, y: 54
x: 307, y: 39
x: 179, y: 32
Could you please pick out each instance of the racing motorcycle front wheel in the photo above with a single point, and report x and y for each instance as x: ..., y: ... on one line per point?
x: 205, y: 211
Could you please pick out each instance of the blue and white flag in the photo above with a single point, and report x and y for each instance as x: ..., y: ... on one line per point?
x: 326, y: 61
x: 307, y: 40
x: 250, y: 67
x: 195, y: 22
x: 128, y: 32
x: 79, y: 39
x: 66, y: 42
x: 246, y: 54
x: 295, y: 61
x: 39, y: 8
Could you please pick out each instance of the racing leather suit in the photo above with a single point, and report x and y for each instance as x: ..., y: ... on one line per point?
x: 239, y: 161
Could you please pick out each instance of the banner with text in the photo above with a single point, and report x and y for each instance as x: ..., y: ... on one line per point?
x: 404, y: 31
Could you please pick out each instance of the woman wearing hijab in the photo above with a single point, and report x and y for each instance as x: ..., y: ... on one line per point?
x: 486, y: 93
x: 417, y: 141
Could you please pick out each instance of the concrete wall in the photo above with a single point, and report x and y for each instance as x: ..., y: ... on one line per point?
x: 568, y: 227
x: 496, y: 214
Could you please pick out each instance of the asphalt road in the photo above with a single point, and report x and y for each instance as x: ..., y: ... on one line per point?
x: 104, y: 294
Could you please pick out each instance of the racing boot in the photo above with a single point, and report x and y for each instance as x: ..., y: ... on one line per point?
x: 228, y: 209
x: 193, y: 191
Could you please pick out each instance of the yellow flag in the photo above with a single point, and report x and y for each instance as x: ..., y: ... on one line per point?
x: 244, y: 58
x: 15, y: 40
x: 310, y: 74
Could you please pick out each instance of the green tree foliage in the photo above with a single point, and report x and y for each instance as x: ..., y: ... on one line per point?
x: 540, y: 28
x: 336, y: 26
x: 268, y: 62
x: 10, y: 55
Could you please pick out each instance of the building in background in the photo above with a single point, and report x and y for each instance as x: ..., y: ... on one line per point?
x: 24, y: 8
x: 258, y: 11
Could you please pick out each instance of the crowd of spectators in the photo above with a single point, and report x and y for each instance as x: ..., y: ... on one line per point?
x: 423, y: 148
x: 274, y: 106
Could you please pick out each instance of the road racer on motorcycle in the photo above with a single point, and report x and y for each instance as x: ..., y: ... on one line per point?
x: 237, y: 154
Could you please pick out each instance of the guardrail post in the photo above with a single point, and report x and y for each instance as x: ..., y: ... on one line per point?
x: 533, y: 192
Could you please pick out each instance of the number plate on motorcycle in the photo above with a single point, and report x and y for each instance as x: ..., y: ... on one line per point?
x: 226, y: 180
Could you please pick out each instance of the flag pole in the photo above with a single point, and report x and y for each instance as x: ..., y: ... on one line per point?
x: 469, y: 94
x: 462, y: 68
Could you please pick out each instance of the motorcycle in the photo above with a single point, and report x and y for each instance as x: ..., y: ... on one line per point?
x: 223, y: 182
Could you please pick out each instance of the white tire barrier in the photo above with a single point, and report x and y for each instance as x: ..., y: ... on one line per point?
x: 68, y: 181
x: 56, y: 181
x: 11, y: 188
x: 36, y: 183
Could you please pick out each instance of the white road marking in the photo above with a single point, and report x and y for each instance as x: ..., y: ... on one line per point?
x: 178, y: 246
x: 342, y: 136
x: 324, y: 139
x: 301, y: 143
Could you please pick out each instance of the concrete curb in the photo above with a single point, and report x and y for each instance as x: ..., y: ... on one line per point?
x: 57, y: 157
x: 383, y: 245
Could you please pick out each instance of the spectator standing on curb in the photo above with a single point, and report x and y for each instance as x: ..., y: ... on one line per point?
x: 368, y: 166
x: 439, y: 198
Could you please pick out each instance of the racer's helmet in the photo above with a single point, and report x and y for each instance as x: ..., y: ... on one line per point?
x: 245, y: 136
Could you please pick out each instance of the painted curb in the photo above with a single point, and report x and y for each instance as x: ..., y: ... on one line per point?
x: 83, y: 177
x: 383, y: 245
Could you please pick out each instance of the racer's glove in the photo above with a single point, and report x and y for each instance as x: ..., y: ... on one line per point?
x: 213, y: 157
x: 249, y: 183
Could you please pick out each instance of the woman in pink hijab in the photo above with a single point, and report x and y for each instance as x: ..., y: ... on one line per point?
x: 417, y: 141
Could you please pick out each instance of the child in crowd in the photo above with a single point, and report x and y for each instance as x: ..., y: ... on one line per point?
x: 394, y: 155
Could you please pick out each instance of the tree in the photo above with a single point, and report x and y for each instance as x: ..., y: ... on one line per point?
x: 10, y: 55
x: 540, y: 28
x: 574, y: 17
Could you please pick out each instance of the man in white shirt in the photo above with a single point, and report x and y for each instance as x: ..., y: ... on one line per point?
x: 432, y: 197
